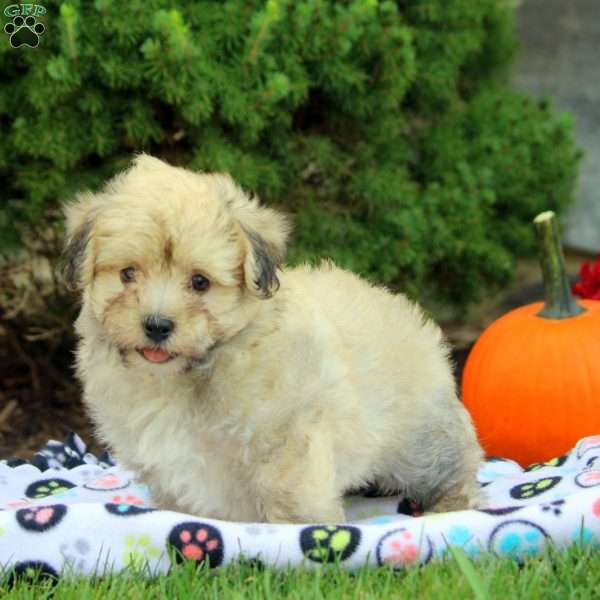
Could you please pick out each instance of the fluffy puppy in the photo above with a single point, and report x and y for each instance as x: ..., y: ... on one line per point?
x: 240, y: 392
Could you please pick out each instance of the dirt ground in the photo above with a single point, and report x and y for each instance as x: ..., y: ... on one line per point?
x: 36, y: 407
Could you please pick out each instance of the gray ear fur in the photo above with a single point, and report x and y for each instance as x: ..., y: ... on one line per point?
x: 265, y: 231
x: 74, y: 253
x: 261, y: 267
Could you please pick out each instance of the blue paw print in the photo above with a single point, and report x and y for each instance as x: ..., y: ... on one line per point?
x: 515, y: 543
x: 463, y: 537
x: 518, y: 539
x: 586, y: 536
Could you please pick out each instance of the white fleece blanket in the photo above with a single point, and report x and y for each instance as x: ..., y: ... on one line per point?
x: 70, y: 512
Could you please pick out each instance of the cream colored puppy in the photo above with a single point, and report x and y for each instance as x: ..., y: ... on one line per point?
x: 243, y: 393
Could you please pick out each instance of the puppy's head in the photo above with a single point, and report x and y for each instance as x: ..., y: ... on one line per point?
x: 170, y: 263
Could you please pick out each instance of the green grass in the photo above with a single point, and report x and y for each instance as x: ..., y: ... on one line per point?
x: 572, y: 574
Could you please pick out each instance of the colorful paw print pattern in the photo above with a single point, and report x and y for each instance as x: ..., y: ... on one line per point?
x: 69, y: 454
x: 588, y: 478
x: 329, y: 543
x: 518, y: 539
x: 108, y: 482
x: 196, y: 541
x: 587, y: 537
x: 402, y: 547
x: 125, y: 507
x: 31, y: 571
x: 48, y: 487
x: 41, y: 518
x: 76, y: 553
x: 465, y: 538
x: 587, y: 444
x: 524, y: 491
x: 559, y: 461
x: 139, y: 550
x: 54, y: 519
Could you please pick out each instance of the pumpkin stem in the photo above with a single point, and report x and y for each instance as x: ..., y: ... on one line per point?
x: 559, y: 301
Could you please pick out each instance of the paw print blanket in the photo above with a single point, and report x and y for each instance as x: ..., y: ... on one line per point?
x: 70, y: 512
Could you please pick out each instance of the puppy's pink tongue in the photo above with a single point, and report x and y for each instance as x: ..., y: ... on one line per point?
x: 155, y: 356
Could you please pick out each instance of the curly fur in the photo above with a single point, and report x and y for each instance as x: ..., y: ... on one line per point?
x: 282, y: 391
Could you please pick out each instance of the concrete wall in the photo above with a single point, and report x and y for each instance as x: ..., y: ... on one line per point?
x: 560, y: 57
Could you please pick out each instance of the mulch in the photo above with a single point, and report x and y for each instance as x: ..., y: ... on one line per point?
x: 39, y: 397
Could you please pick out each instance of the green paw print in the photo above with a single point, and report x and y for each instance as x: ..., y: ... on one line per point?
x: 326, y: 543
x: 49, y: 490
x: 139, y: 550
x: 553, y: 462
x: 2, y: 532
x: 534, y: 488
x: 48, y: 487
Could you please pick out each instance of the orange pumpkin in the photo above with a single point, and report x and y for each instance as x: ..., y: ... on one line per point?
x: 532, y: 380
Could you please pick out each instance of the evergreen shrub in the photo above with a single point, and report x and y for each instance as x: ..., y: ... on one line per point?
x: 387, y: 128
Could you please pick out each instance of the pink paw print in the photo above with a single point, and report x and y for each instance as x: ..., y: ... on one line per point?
x: 198, y: 542
x: 41, y: 518
x: 110, y: 481
x: 588, y: 478
x: 403, y: 550
x: 195, y: 548
x: 129, y: 499
x: 399, y: 547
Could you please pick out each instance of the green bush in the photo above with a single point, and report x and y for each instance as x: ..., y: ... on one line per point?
x: 387, y: 128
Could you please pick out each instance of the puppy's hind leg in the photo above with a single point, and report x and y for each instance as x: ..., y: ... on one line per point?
x: 461, y: 490
x: 439, y: 465
x: 462, y: 496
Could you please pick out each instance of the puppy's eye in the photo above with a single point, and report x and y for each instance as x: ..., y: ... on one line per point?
x: 128, y: 274
x: 200, y: 283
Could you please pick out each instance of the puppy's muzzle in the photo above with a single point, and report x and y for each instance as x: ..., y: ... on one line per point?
x: 157, y: 328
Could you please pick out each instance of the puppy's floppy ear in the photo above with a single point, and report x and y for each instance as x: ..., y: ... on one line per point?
x: 76, y: 264
x: 265, y: 234
x: 261, y: 262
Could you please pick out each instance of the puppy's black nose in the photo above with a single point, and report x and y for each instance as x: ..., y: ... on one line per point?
x: 157, y: 328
